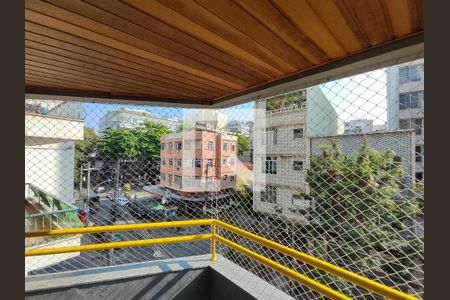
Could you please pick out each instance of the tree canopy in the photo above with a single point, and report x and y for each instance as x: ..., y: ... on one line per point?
x: 357, y: 207
x: 83, y: 148
x: 243, y: 143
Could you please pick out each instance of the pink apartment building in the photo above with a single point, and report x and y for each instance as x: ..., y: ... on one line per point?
x: 198, y: 161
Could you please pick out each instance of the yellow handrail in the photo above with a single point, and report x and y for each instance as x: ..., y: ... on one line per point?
x: 322, y: 289
x: 115, y: 228
x: 356, y: 279
x: 124, y: 244
x: 361, y: 281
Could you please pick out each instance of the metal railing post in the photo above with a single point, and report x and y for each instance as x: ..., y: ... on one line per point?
x: 213, y: 241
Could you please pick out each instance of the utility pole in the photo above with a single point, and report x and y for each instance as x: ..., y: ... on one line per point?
x: 88, y: 187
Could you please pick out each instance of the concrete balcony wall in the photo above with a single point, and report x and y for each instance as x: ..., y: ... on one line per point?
x: 51, y: 129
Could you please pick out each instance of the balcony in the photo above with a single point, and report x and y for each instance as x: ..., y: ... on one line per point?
x: 196, y: 277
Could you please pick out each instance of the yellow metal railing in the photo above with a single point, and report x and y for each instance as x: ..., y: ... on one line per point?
x: 354, y: 278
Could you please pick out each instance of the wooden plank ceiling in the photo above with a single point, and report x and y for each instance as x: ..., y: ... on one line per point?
x: 199, y: 50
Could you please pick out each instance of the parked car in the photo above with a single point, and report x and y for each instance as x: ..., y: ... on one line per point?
x: 100, y: 189
x: 148, y: 209
x: 121, y: 199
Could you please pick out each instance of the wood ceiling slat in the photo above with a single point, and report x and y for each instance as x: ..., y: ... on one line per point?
x: 399, y: 15
x: 370, y: 16
x: 248, y: 25
x: 173, y: 37
x: 81, y: 14
x: 62, y: 40
x: 329, y: 14
x: 206, y: 51
x: 87, y: 62
x: 300, y: 14
x: 107, y: 41
x: 352, y: 21
x: 107, y: 73
x: 272, y: 18
x: 184, y: 21
x: 106, y: 81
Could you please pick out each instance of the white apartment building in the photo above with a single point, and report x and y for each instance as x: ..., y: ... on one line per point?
x: 51, y: 129
x: 359, y: 126
x: 405, y: 104
x: 131, y: 118
x: 281, y: 149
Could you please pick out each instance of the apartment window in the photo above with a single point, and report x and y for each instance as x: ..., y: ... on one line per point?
x: 209, y: 163
x: 198, y: 163
x: 269, y: 165
x: 233, y: 147
x: 232, y: 178
x: 416, y: 124
x: 178, y: 145
x: 269, y: 194
x: 163, y: 176
x: 163, y: 161
x: 178, y: 162
x: 170, y: 179
x: 419, y: 153
x: 170, y: 161
x: 297, y: 165
x: 225, y: 177
x: 298, y: 133
x: 210, y: 145
x: 170, y: 146
x: 269, y: 136
x: 410, y: 100
x: 224, y: 162
x: 410, y: 73
x: 178, y: 180
x: 419, y: 176
x: 299, y: 201
x: 224, y: 148
x: 162, y: 146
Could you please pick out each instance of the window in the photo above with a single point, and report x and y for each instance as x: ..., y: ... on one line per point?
x: 298, y: 133
x: 178, y: 180
x: 419, y: 176
x: 162, y: 146
x: 232, y: 178
x: 410, y: 73
x: 269, y: 165
x: 209, y: 163
x: 170, y: 146
x: 163, y: 161
x: 269, y: 136
x: 178, y: 162
x: 233, y: 147
x: 170, y: 161
x: 225, y: 177
x: 411, y: 100
x: 163, y: 176
x: 198, y: 163
x: 178, y: 145
x: 298, y: 200
x: 210, y: 145
x: 419, y: 153
x: 269, y: 194
x: 224, y: 162
x: 170, y: 179
x: 297, y: 165
x: 224, y: 147
x: 416, y: 124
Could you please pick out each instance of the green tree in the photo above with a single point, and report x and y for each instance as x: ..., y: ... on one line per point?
x: 139, y: 146
x: 243, y: 143
x: 356, y: 205
x: 82, y: 149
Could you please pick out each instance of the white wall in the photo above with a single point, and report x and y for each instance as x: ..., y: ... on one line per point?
x: 51, y: 168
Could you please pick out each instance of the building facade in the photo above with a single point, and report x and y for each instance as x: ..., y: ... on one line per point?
x: 131, y: 118
x: 199, y: 160
x: 51, y: 129
x: 281, y: 151
x: 405, y: 104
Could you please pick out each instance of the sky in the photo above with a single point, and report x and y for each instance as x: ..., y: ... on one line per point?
x: 362, y: 96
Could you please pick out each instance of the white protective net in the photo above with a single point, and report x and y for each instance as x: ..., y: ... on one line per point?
x: 335, y: 170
